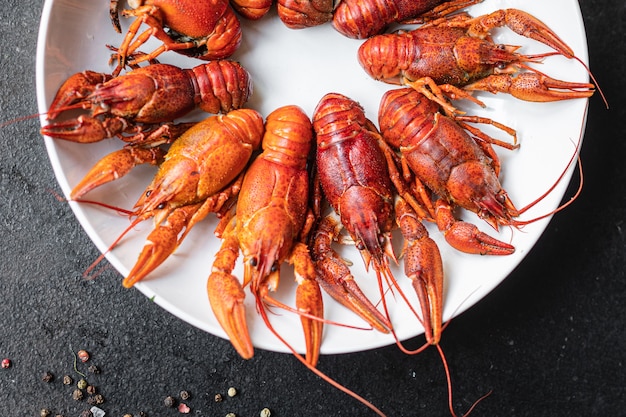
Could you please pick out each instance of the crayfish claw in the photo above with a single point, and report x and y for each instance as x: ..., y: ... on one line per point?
x: 533, y: 87
x: 85, y: 129
x: 115, y: 165
x: 160, y: 244
x: 74, y: 90
x: 424, y: 267
x: 226, y: 297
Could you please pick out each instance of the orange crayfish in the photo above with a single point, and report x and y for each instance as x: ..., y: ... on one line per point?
x: 135, y: 103
x: 361, y: 19
x: 457, y: 52
x: 201, y: 173
x: 201, y: 29
x: 270, y: 226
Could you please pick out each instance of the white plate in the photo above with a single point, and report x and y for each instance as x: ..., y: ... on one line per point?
x: 299, y: 67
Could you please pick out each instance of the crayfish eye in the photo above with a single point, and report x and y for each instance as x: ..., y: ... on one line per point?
x: 274, y: 268
x: 360, y: 246
x: 148, y: 193
x: 253, y: 262
x: 501, y: 198
x: 381, y: 240
x: 161, y: 206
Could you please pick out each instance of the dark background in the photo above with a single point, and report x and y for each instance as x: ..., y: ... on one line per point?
x: 549, y: 341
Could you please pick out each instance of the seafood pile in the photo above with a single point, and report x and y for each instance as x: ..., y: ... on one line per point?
x: 292, y: 187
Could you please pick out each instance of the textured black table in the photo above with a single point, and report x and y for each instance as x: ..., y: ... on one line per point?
x: 548, y: 341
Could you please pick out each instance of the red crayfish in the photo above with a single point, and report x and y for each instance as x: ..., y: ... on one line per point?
x: 458, y: 53
x: 206, y: 30
x: 361, y: 19
x: 298, y: 14
x: 135, y: 103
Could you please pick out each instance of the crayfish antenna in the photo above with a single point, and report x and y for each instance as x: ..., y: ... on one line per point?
x: 316, y: 371
x: 575, y: 156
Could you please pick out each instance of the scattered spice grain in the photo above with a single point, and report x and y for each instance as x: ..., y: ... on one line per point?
x: 169, y: 401
x: 83, y: 355
x: 6, y: 363
x: 184, y: 395
x: 86, y: 413
x: 91, y: 390
x: 82, y: 384
x: 265, y: 412
x: 47, y: 376
x: 231, y: 415
x: 218, y: 397
x: 67, y: 380
x: 77, y: 395
x: 232, y: 391
x: 183, y: 408
x: 44, y: 412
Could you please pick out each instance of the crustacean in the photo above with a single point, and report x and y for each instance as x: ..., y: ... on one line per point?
x: 134, y: 104
x: 270, y: 226
x: 361, y: 19
x: 298, y: 14
x: 206, y: 30
x: 358, y: 175
x: 252, y: 9
x: 200, y: 174
x: 457, y: 168
x: 458, y: 52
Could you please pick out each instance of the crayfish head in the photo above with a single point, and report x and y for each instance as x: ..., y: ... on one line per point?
x: 266, y: 240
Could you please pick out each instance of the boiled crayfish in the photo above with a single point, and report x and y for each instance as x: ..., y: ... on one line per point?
x: 200, y: 174
x: 457, y: 52
x: 362, y: 19
x: 270, y: 226
x: 298, y: 14
x: 132, y: 105
x: 451, y: 164
x: 206, y: 30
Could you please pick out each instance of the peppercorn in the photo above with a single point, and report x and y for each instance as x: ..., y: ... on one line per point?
x: 6, y: 363
x: 91, y: 390
x: 265, y: 412
x: 77, y: 395
x: 82, y: 384
x: 96, y: 399
x: 231, y: 415
x: 232, y: 391
x: 67, y: 380
x: 47, y: 377
x: 83, y: 355
x: 128, y: 415
x: 86, y: 413
x: 94, y: 369
x: 184, y: 395
x: 169, y: 401
x: 183, y: 408
x: 218, y: 398
x: 44, y: 412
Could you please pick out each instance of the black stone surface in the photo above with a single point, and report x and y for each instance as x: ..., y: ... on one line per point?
x: 549, y: 341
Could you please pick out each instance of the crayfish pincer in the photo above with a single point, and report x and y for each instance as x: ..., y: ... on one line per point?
x: 270, y: 226
x: 206, y: 30
x: 138, y: 101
